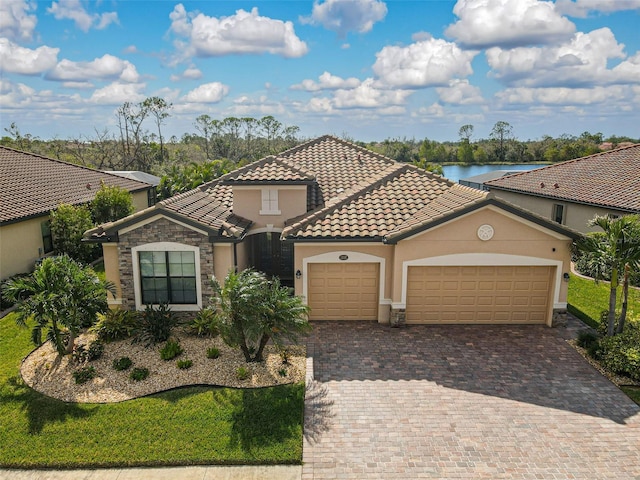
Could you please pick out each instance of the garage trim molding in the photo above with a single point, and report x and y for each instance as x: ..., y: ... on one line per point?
x: 482, y: 259
x: 352, y: 257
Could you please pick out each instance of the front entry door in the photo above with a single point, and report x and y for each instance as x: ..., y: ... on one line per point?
x: 273, y: 257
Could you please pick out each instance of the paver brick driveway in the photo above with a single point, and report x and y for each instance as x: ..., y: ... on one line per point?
x: 462, y: 402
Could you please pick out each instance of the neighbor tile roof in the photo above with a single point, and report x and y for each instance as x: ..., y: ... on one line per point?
x: 32, y: 185
x: 269, y: 170
x: 609, y: 179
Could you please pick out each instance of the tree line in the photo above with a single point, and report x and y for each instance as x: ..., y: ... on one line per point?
x: 217, y: 146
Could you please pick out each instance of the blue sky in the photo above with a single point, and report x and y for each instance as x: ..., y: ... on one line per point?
x: 369, y: 69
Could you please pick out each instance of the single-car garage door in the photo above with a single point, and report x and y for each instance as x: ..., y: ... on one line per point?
x: 343, y: 291
x: 478, y: 294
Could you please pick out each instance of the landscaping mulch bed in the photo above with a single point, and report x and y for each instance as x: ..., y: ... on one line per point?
x: 619, y: 380
x: 45, y: 371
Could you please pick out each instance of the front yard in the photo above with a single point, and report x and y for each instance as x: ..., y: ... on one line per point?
x: 195, y: 425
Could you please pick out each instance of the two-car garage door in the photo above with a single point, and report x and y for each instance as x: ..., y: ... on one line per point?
x: 478, y: 294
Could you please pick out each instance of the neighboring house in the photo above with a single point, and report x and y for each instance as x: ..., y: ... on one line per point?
x: 478, y: 181
x: 31, y: 186
x: 144, y: 177
x: 358, y: 235
x: 571, y: 193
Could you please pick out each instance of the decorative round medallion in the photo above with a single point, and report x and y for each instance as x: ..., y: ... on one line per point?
x: 485, y: 232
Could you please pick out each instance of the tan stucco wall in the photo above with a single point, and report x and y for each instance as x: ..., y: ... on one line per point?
x: 222, y: 260
x: 576, y: 216
x: 20, y: 246
x: 112, y: 271
x: 306, y: 251
x: 511, y: 237
x: 247, y: 202
x: 140, y: 200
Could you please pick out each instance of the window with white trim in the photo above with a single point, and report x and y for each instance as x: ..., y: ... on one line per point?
x: 270, y: 202
x: 168, y: 277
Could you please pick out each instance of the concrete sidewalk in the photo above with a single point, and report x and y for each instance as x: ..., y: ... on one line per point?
x: 259, y: 472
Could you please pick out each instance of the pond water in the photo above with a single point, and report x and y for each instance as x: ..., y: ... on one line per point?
x: 456, y: 172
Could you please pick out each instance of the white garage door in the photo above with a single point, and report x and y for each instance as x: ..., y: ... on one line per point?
x: 479, y: 294
x: 343, y: 291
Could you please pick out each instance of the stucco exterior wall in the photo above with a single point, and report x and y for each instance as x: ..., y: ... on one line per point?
x: 20, y: 246
x: 512, y: 238
x: 140, y: 200
x: 222, y: 260
x: 112, y: 272
x: 576, y: 216
x: 247, y: 203
x: 162, y: 230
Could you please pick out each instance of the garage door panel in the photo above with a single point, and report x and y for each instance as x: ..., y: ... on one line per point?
x: 484, y: 294
x: 343, y: 291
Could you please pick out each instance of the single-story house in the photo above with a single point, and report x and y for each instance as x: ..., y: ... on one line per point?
x: 358, y: 235
x: 573, y: 192
x: 31, y: 186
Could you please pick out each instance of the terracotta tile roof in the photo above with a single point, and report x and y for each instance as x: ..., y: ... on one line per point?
x: 381, y: 207
x: 269, y: 170
x: 202, y: 208
x: 609, y: 179
x: 32, y: 185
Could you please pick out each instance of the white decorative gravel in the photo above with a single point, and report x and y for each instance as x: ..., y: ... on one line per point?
x: 50, y: 374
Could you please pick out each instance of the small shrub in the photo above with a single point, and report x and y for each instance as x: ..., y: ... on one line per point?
x: 139, y: 373
x: 282, y: 372
x: 586, y: 338
x: 155, y: 325
x: 84, y: 374
x: 242, y: 373
x: 205, y: 324
x: 621, y: 353
x: 170, y: 350
x: 285, y: 356
x: 122, y: 363
x: 115, y: 325
x: 213, y: 352
x: 184, y: 364
x: 82, y: 354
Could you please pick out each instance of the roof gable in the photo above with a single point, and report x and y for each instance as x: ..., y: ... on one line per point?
x: 32, y: 185
x: 609, y: 179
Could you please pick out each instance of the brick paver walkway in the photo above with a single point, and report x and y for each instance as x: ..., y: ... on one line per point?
x: 462, y: 402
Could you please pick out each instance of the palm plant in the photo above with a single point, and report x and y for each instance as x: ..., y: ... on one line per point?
x: 61, y: 296
x: 613, y: 251
x: 252, y: 310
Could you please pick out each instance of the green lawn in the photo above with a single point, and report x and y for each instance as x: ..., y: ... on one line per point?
x: 587, y: 299
x: 195, y: 425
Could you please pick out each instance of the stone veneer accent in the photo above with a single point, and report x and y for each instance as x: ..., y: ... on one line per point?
x: 166, y: 231
x: 397, y: 317
x: 559, y: 317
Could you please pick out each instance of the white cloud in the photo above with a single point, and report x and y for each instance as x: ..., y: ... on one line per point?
x: 242, y: 33
x: 460, y: 92
x: 262, y: 105
x: 562, y: 96
x: 326, y: 81
x: 433, y: 110
x: 74, y: 10
x: 16, y: 22
x: 117, y: 93
x: 344, y: 16
x: 367, y: 95
x: 508, y: 23
x: 131, y: 49
x: 106, y: 67
x: 582, y: 8
x: 580, y: 62
x: 207, y: 93
x: 427, y: 63
x: 191, y: 73
x: 17, y: 59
